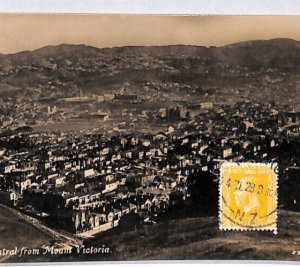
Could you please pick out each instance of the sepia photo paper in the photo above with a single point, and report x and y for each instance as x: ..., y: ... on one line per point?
x: 149, y: 137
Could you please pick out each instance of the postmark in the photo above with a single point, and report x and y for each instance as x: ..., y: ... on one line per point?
x: 248, y: 196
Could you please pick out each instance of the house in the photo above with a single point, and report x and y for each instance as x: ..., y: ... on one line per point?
x: 125, y: 209
x: 226, y: 152
x: 56, y: 179
x: 170, y: 130
x: 83, y: 197
x: 9, y: 167
x: 110, y: 186
x: 273, y: 143
x: 89, y: 173
x: 70, y: 199
x: 15, y: 195
x: 109, y: 97
x: 99, y: 218
x: 59, y: 181
x: 110, y: 215
x: 132, y: 207
x: 2, y: 151
x: 23, y: 182
x: 206, y: 105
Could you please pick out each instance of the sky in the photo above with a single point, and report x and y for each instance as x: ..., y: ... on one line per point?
x: 28, y: 32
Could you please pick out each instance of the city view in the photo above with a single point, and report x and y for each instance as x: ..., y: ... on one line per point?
x: 115, y: 153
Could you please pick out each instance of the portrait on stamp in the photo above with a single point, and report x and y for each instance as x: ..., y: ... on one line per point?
x: 248, y: 196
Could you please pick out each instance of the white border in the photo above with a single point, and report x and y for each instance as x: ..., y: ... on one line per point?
x: 168, y: 7
x: 183, y: 7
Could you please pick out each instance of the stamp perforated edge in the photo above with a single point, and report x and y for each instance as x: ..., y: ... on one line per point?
x: 273, y: 228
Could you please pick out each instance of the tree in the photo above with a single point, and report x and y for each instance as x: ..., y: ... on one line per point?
x: 204, y: 192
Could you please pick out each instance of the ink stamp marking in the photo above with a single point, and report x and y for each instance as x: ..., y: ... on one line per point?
x: 248, y: 196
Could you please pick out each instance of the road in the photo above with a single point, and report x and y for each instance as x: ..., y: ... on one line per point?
x: 20, y: 230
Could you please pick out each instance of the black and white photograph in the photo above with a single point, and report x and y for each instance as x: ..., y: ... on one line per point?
x: 114, y: 130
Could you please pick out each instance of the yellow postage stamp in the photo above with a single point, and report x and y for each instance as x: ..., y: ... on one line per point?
x: 248, y: 196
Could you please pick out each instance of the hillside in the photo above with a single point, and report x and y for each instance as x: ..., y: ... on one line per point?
x: 200, y: 238
x: 266, y: 53
x: 193, y: 239
x: 64, y: 69
x: 11, y: 226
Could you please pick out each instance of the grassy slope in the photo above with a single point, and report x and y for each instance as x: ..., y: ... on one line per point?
x: 194, y: 239
x: 16, y: 232
x: 200, y: 238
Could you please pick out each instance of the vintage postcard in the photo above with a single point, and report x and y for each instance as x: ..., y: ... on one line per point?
x: 138, y: 137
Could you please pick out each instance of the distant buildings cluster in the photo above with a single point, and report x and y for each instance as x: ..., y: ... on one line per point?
x: 90, y: 183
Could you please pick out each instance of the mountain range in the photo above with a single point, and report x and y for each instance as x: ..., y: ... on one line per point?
x: 96, y: 70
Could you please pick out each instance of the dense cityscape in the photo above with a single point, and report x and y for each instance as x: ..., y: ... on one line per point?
x: 96, y: 142
x: 85, y: 182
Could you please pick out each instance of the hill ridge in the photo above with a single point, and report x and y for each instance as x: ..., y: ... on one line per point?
x: 235, y: 44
